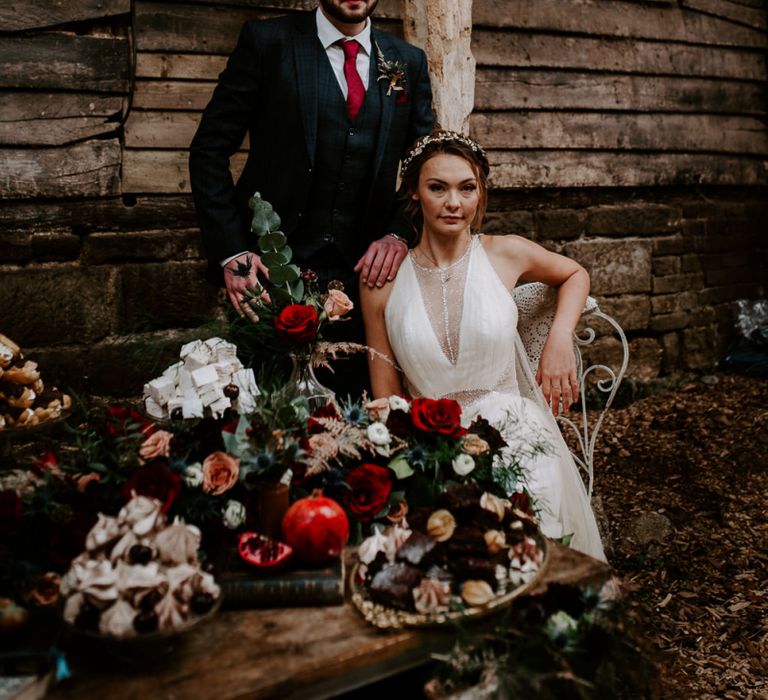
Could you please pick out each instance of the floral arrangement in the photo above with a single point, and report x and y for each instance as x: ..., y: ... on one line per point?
x: 289, y: 316
x: 563, y: 643
x: 376, y: 459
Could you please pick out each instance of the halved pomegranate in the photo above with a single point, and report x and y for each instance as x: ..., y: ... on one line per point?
x: 262, y: 552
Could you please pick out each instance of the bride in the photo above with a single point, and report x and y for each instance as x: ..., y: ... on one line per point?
x: 448, y: 323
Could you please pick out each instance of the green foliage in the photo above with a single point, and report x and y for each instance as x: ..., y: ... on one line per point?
x: 276, y: 255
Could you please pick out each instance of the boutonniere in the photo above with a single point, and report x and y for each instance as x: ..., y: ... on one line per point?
x: 392, y: 71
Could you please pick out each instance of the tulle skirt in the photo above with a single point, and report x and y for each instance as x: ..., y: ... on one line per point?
x: 553, y: 480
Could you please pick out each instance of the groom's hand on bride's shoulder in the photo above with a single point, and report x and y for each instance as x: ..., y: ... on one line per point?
x: 382, y: 260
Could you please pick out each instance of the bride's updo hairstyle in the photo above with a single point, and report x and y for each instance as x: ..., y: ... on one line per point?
x: 437, y: 142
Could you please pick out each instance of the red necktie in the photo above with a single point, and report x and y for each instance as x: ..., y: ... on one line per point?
x: 355, y: 89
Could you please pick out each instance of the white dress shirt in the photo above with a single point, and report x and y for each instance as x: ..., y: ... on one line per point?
x: 329, y: 35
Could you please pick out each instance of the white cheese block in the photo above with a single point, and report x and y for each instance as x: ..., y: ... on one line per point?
x: 219, y: 406
x: 204, y: 375
x: 189, y: 348
x: 210, y: 394
x: 153, y: 408
x: 192, y: 408
x: 160, y: 390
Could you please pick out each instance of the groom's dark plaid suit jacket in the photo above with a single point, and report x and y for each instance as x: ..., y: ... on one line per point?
x: 269, y: 90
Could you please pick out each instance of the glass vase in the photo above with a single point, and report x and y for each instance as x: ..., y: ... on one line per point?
x: 303, y: 382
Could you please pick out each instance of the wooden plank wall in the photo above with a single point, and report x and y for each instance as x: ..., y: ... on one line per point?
x: 617, y: 92
x: 65, y: 73
x: 182, y: 48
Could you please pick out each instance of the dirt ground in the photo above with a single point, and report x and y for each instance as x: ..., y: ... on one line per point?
x: 683, y: 480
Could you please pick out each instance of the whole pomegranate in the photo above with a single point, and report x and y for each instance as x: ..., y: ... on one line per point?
x: 316, y: 527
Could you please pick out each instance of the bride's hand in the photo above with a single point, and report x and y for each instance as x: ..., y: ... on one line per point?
x: 557, y: 372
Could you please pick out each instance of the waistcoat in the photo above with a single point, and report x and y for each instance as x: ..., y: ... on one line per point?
x: 342, y: 172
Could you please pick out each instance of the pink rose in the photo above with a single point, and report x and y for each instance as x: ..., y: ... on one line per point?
x: 156, y: 445
x: 337, y: 305
x: 378, y: 409
x: 220, y: 472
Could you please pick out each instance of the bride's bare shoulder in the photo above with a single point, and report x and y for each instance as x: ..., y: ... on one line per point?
x: 375, y: 298
x: 506, y: 245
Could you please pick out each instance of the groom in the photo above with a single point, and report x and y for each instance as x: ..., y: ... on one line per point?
x: 325, y: 138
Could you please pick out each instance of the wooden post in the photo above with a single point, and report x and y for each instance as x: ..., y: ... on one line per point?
x: 443, y: 28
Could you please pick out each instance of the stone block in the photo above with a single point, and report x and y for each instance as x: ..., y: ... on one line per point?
x: 15, y: 246
x: 615, y: 267
x: 55, y: 246
x: 504, y: 222
x: 57, y: 304
x: 632, y: 311
x: 633, y: 220
x: 134, y: 246
x: 677, y: 283
x: 719, y: 295
x: 644, y: 359
x: 669, y: 303
x: 156, y: 296
x: 693, y: 227
x: 670, y: 322
x: 560, y: 224
x: 667, y: 265
x: 670, y: 352
x: 670, y: 245
x: 690, y: 263
x: 116, y: 366
x: 731, y: 275
x: 699, y: 348
x: 711, y: 209
x: 711, y: 242
x: 139, y: 357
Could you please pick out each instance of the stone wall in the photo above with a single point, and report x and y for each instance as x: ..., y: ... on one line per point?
x: 667, y: 264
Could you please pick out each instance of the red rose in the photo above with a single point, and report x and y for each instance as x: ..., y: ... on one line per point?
x: 521, y: 502
x: 369, y: 489
x: 156, y: 481
x: 122, y: 421
x: 10, y: 512
x: 297, y: 323
x: 327, y: 411
x: 47, y: 462
x: 438, y: 416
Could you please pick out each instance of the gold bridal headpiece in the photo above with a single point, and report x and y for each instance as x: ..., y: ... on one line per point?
x: 438, y: 137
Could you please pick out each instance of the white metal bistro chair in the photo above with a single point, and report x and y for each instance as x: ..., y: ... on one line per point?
x: 536, y: 309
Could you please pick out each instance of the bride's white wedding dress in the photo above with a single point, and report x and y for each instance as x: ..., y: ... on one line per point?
x: 454, y: 335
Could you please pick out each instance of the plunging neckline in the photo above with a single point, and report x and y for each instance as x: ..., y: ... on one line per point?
x: 425, y: 311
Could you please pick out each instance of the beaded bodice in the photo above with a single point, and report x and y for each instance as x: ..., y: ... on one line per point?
x: 453, y: 330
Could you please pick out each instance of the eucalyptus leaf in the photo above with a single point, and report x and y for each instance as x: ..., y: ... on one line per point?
x: 283, y: 274
x: 264, y: 218
x: 297, y: 290
x: 273, y: 259
x: 272, y: 241
x: 281, y: 296
x: 237, y: 443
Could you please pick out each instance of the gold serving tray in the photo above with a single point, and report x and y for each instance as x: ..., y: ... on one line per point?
x: 385, y: 617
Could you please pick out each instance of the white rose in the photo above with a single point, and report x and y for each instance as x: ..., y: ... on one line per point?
x: 463, y: 464
x: 193, y: 475
x: 378, y: 434
x: 233, y: 514
x: 398, y: 403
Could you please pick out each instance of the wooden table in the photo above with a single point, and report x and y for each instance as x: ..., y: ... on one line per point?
x: 286, y: 653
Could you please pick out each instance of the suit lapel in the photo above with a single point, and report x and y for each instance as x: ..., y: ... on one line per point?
x: 387, y: 102
x: 305, y: 52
